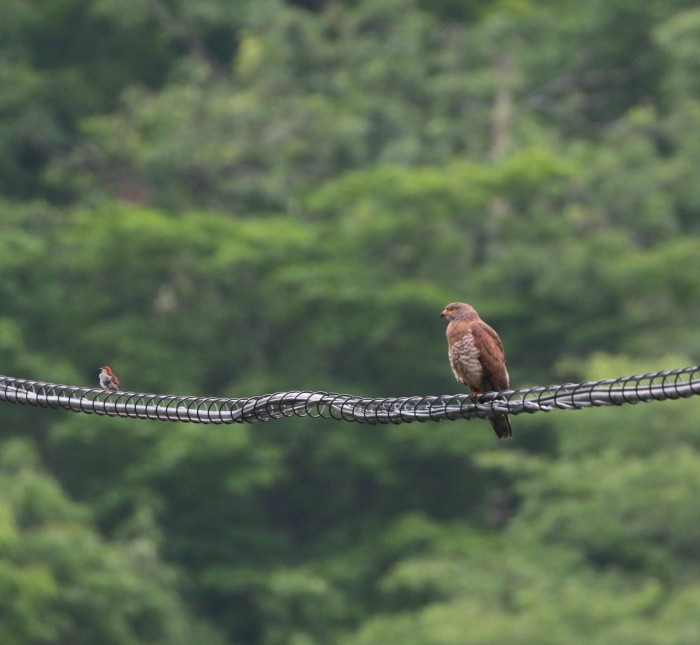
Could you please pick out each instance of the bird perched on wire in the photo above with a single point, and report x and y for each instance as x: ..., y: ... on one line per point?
x: 476, y: 357
x: 108, y: 379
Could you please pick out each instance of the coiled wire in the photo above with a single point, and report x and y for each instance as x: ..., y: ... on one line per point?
x: 654, y: 386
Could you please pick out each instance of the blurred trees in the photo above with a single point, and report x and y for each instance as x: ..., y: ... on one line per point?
x: 60, y: 582
x: 231, y: 198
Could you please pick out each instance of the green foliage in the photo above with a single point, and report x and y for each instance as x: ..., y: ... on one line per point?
x: 463, y: 587
x: 231, y: 198
x: 678, y: 37
x: 61, y: 582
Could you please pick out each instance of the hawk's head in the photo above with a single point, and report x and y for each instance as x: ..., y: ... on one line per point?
x: 459, y: 311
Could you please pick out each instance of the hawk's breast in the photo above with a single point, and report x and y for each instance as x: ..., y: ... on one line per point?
x: 465, y: 362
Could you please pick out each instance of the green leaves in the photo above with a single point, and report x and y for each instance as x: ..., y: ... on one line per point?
x: 60, y: 581
x: 231, y: 198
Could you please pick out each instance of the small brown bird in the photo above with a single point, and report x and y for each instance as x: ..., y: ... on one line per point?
x: 476, y: 357
x: 108, y: 379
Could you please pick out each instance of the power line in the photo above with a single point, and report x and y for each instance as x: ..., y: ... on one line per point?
x: 654, y: 386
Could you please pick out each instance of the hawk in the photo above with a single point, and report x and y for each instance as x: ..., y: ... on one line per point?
x: 476, y: 357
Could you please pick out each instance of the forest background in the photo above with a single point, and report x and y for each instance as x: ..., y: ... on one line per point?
x: 234, y: 197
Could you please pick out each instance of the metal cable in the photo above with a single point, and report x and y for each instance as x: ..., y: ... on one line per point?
x: 654, y: 386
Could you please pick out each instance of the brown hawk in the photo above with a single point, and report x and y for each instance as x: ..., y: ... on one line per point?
x: 476, y: 357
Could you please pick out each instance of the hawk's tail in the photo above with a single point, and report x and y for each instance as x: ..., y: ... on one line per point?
x: 501, y: 424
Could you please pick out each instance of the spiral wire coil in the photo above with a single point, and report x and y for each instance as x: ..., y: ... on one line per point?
x: 654, y: 386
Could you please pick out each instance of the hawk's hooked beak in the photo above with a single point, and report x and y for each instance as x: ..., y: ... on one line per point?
x: 443, y: 314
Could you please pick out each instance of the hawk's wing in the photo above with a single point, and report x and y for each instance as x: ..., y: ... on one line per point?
x: 493, y: 362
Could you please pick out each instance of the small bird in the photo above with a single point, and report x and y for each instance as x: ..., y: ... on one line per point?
x: 108, y: 379
x: 476, y: 357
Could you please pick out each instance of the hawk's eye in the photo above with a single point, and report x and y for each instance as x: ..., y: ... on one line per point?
x: 453, y: 309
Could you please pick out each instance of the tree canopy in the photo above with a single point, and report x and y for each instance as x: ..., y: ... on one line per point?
x: 235, y: 197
